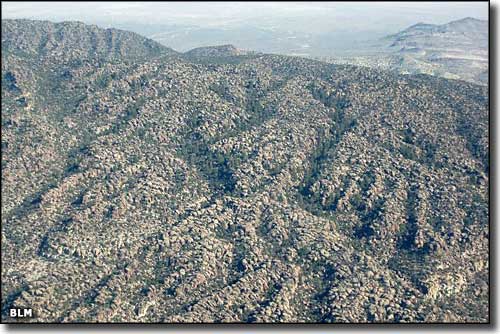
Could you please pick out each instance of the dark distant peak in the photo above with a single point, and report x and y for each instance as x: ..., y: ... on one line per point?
x: 226, y: 50
x: 421, y: 26
x: 416, y: 29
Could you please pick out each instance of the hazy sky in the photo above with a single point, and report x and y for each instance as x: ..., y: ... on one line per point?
x: 320, y: 15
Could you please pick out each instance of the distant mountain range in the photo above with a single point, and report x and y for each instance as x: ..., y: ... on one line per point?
x: 456, y: 50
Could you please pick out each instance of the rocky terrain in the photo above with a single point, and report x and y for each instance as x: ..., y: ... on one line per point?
x: 219, y: 54
x: 139, y: 185
x: 456, y: 50
x: 215, y: 51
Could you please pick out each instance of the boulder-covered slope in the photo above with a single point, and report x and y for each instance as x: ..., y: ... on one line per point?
x: 75, y: 40
x: 264, y: 189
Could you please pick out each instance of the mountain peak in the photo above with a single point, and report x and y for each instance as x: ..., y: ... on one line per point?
x: 225, y: 50
x: 420, y: 26
x: 468, y: 19
x: 77, y: 40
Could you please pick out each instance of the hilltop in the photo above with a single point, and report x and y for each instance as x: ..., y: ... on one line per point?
x: 75, y: 40
x: 215, y: 51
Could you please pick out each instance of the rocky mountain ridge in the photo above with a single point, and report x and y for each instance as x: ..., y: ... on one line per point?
x: 246, y: 188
